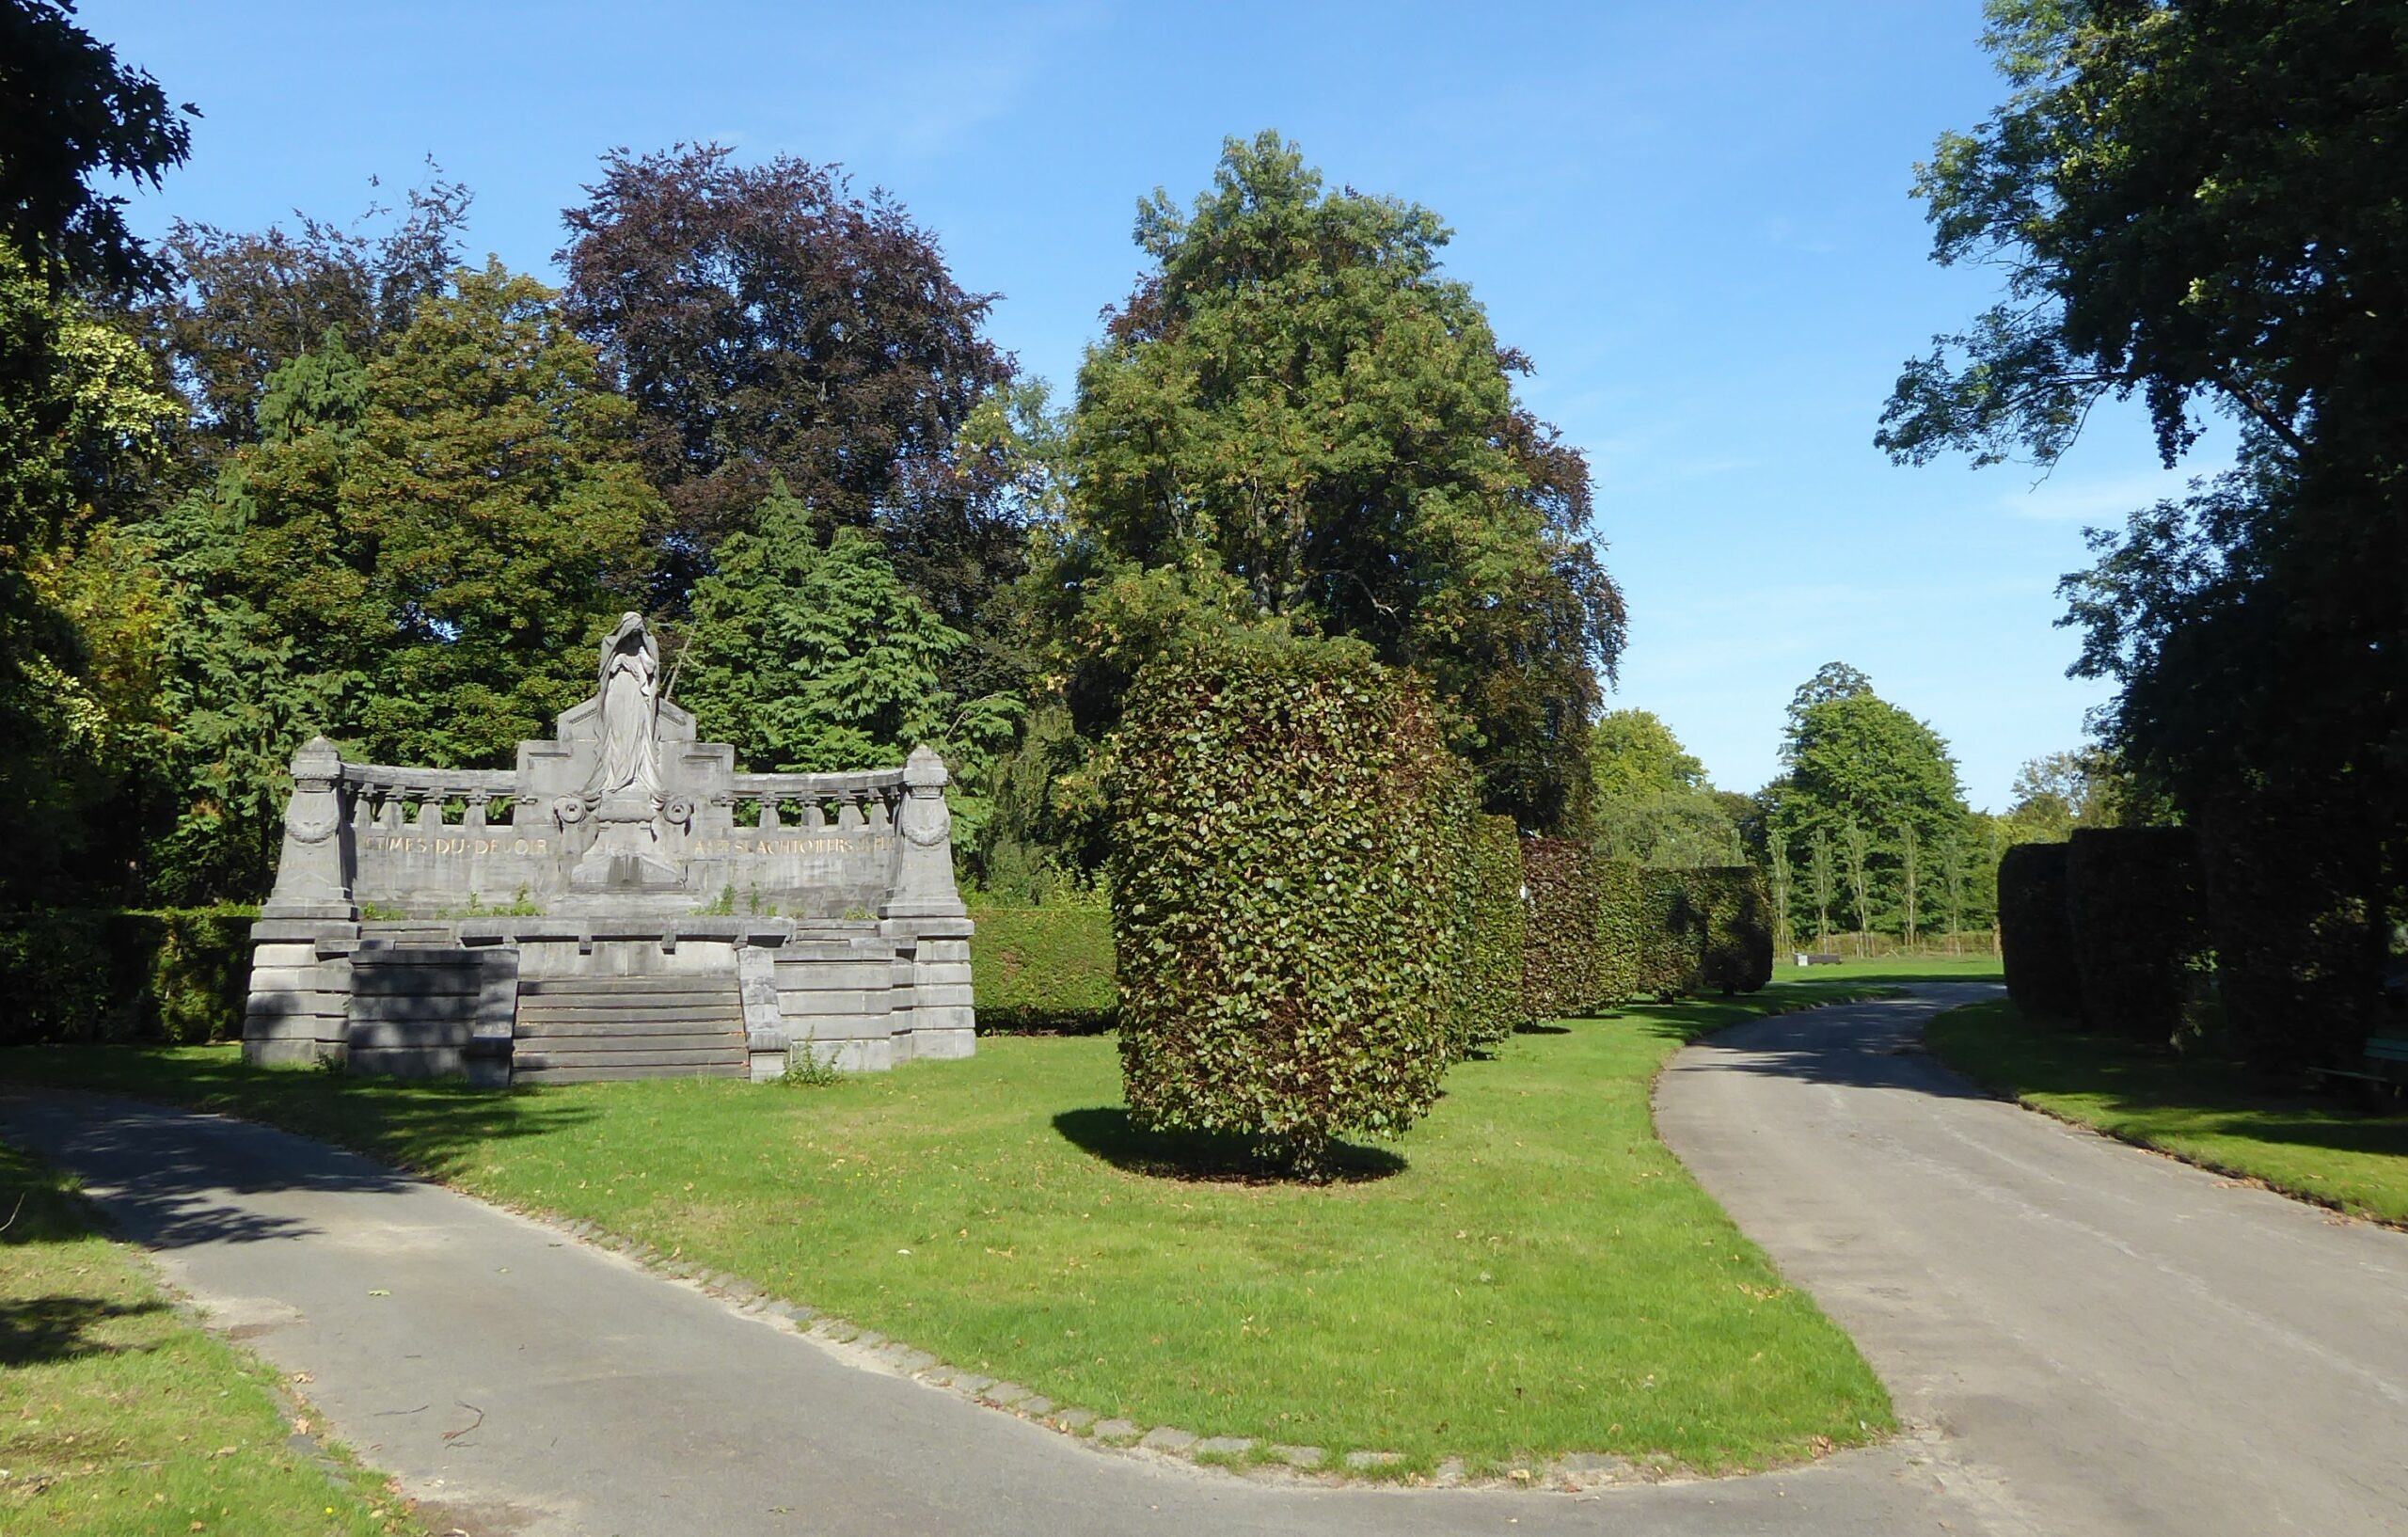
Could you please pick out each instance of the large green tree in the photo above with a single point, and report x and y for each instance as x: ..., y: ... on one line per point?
x: 2199, y: 204
x: 1653, y: 802
x: 1298, y: 420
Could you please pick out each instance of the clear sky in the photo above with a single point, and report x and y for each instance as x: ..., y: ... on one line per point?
x: 1694, y: 219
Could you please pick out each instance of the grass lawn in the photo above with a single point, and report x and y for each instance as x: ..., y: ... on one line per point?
x: 1880, y: 969
x: 118, y: 1418
x: 1527, y: 1273
x: 2203, y: 1110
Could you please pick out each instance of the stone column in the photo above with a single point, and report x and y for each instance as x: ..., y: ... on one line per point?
x: 300, y: 993
x: 924, y: 918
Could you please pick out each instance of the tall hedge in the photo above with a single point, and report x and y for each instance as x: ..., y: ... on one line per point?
x: 1286, y: 895
x: 1703, y: 931
x: 72, y: 975
x: 2294, y: 916
x: 1622, y: 930
x: 2134, y: 908
x: 1043, y: 969
x: 2036, y: 930
x: 1492, y: 1004
x: 1561, y: 968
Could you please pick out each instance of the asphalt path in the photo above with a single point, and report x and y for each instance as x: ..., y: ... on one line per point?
x: 2083, y: 1338
x: 2100, y: 1339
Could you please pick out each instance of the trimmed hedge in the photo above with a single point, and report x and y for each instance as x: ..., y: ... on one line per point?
x: 1622, y: 930
x: 2134, y: 908
x: 1704, y: 931
x: 2036, y: 930
x: 1043, y: 970
x: 1286, y: 894
x: 79, y: 974
x: 1562, y: 968
x: 2299, y: 951
x: 1492, y: 1004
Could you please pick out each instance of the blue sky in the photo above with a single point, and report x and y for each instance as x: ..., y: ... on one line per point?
x: 1694, y: 219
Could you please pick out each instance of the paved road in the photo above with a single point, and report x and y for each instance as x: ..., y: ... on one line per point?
x: 2089, y: 1339
x: 2108, y: 1340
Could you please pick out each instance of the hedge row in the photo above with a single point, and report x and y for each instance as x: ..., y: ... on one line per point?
x: 1043, y: 970
x: 1494, y: 1002
x: 1604, y: 932
x: 2293, y: 910
x: 1710, y: 931
x: 2108, y: 930
x: 1290, y: 902
x: 2036, y: 930
x: 1563, y: 963
x: 82, y: 975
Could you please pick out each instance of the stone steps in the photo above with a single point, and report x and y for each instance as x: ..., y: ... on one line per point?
x: 594, y: 1029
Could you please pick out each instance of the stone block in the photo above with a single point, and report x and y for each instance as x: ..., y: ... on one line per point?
x: 942, y: 1045
x: 1168, y: 1438
x: 422, y: 1033
x: 279, y: 1052
x: 409, y: 1062
x: 937, y: 973
x: 285, y: 953
x: 455, y: 1007
x: 796, y: 1005
x: 944, y: 1017
x: 942, y: 951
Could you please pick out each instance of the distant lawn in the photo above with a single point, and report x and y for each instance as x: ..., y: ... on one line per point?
x: 118, y: 1417
x: 1527, y: 1273
x: 2205, y: 1111
x: 1881, y: 970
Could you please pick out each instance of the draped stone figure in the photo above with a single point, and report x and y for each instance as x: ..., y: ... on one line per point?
x: 627, y: 755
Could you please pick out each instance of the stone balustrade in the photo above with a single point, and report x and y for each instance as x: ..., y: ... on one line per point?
x: 389, y: 798
x: 803, y: 801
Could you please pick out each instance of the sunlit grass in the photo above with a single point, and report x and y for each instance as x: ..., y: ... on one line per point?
x: 1530, y: 1272
x: 2204, y: 1110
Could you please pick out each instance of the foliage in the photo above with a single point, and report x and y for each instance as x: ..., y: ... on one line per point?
x: 1703, y: 931
x: 1622, y: 940
x: 819, y: 660
x: 2133, y: 903
x: 90, y: 974
x: 1495, y: 1003
x: 1563, y: 966
x: 244, y: 304
x: 1046, y: 969
x: 1633, y: 753
x: 2207, y: 248
x: 70, y: 113
x: 1284, y: 895
x: 1653, y: 802
x: 2293, y: 910
x: 768, y: 324
x: 1297, y: 419
x: 2036, y: 930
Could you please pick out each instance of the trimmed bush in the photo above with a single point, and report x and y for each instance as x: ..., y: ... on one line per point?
x: 1044, y: 970
x: 2299, y: 954
x: 1563, y: 971
x: 1286, y: 894
x: 1492, y: 1004
x: 2035, y: 931
x: 2132, y: 905
x: 82, y: 974
x: 1622, y: 930
x: 1703, y: 931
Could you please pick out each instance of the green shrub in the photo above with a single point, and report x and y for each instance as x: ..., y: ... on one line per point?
x: 2299, y: 950
x: 180, y: 974
x: 1622, y: 930
x: 1703, y: 931
x: 1492, y: 1004
x: 2132, y: 904
x: 1561, y: 968
x: 1286, y: 895
x: 1043, y: 970
x: 2035, y: 931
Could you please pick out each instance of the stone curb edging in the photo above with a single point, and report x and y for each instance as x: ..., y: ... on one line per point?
x: 1239, y: 1455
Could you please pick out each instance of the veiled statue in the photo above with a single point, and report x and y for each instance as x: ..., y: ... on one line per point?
x: 626, y: 753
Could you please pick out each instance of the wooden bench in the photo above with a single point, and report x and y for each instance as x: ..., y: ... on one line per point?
x: 2385, y: 1064
x: 1816, y: 957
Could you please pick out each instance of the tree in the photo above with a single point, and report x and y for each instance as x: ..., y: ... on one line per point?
x: 2208, y: 248
x: 769, y: 324
x: 1855, y: 846
x: 1819, y: 845
x: 1782, y: 883
x: 816, y: 660
x: 1633, y: 753
x: 1298, y: 420
x: 1909, y: 874
x: 69, y: 112
x: 242, y: 304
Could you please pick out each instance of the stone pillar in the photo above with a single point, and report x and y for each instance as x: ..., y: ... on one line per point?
x: 300, y: 994
x: 924, y: 917
x: 922, y: 886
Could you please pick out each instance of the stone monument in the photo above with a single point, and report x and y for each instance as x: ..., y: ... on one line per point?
x: 622, y: 904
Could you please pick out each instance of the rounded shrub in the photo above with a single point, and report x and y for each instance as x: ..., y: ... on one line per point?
x: 2035, y: 932
x: 1286, y: 894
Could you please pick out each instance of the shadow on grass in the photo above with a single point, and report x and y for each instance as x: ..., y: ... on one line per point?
x: 40, y: 1331
x: 1531, y: 1028
x: 1108, y: 1134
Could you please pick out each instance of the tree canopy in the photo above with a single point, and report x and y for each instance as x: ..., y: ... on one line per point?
x: 1297, y: 419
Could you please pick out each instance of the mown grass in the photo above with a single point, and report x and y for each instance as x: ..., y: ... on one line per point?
x: 118, y: 1418
x: 1530, y: 1272
x: 2204, y: 1110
